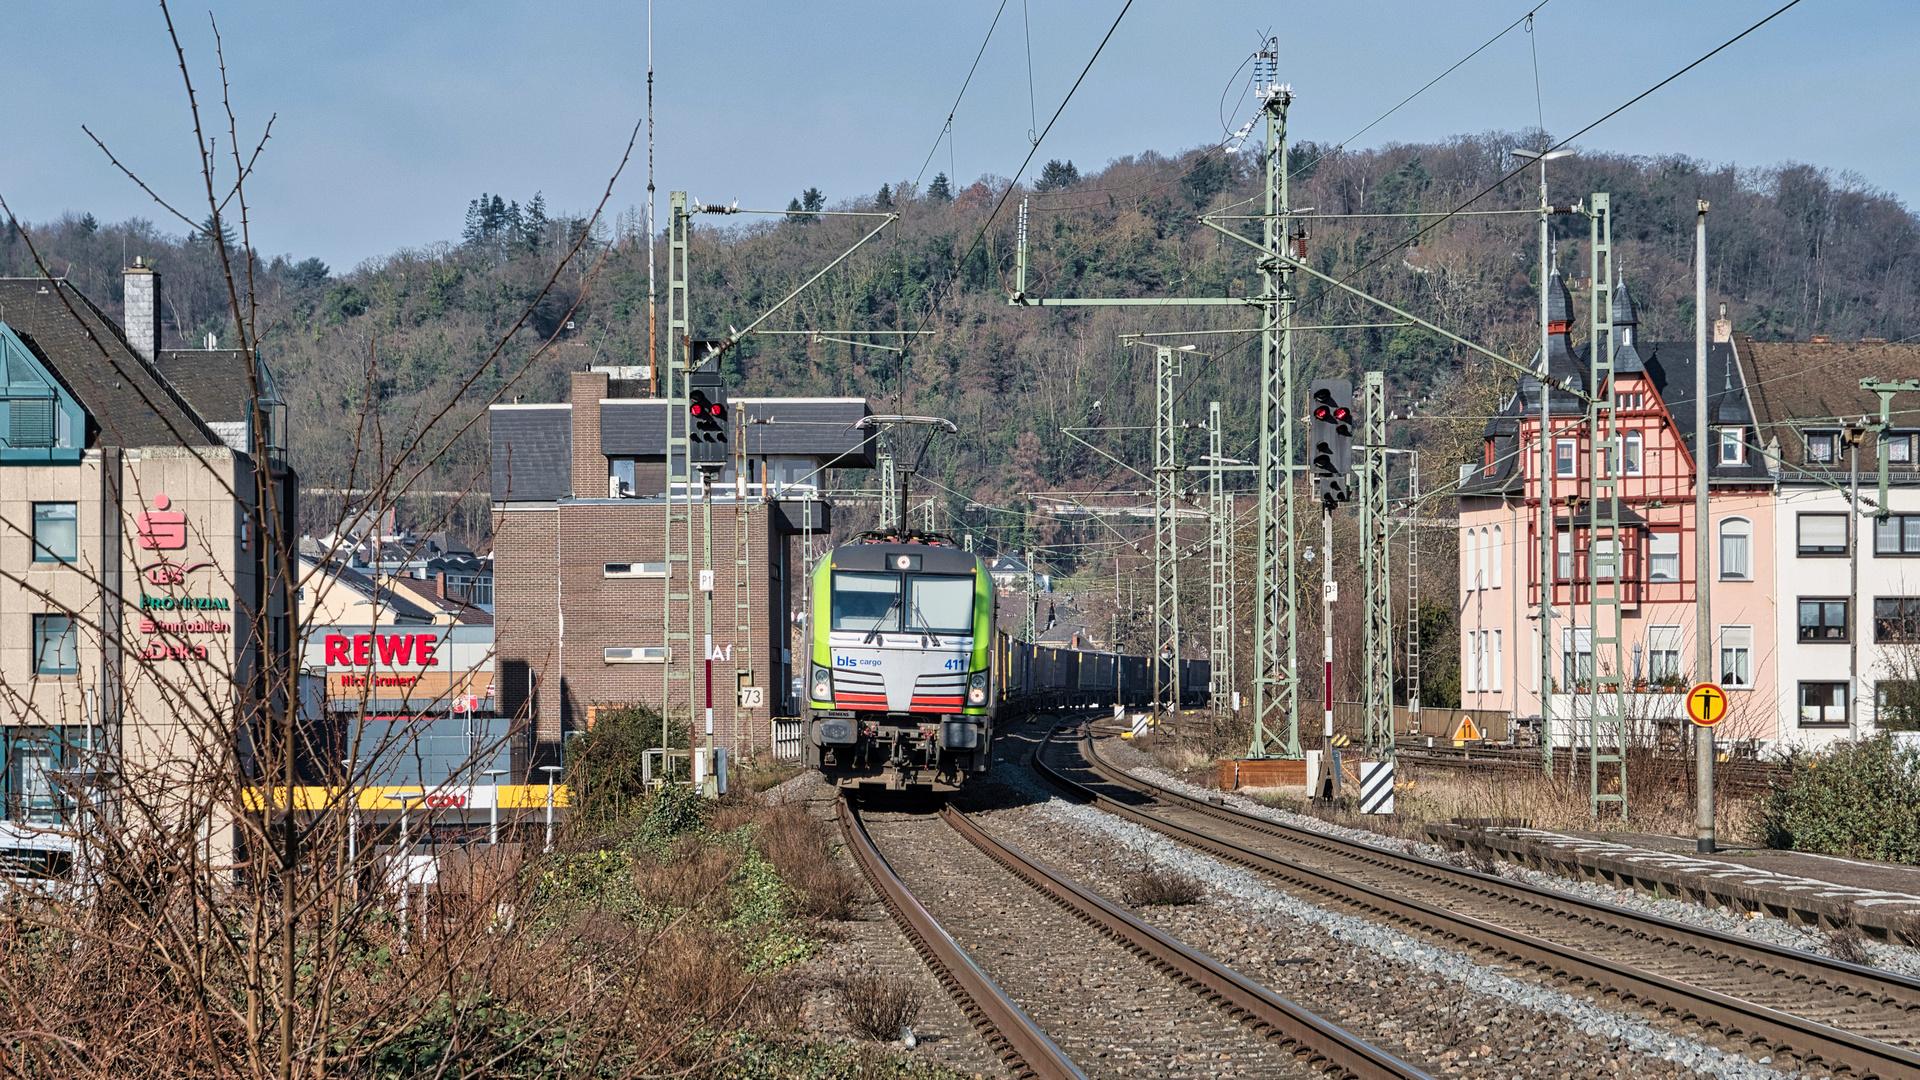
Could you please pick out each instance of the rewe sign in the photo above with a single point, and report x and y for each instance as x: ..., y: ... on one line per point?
x: 389, y: 650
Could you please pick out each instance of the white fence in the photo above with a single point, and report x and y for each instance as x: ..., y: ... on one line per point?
x: 786, y: 739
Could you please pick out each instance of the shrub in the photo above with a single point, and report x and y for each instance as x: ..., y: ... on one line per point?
x: 1159, y: 887
x: 801, y: 848
x: 1860, y: 799
x: 878, y: 1006
x: 605, y: 765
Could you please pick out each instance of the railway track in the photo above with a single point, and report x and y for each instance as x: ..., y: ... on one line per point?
x: 1213, y: 1006
x: 1825, y: 1012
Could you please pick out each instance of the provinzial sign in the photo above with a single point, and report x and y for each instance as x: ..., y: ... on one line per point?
x: 1706, y: 704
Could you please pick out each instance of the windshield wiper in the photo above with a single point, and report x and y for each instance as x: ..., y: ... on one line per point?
x: 875, y: 632
x: 922, y: 616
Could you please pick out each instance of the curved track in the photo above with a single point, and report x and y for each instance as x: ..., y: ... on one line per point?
x: 1826, y: 1012
x: 1310, y: 1041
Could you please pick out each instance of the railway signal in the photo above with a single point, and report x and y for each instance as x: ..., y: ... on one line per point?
x: 1330, y: 439
x: 706, y: 419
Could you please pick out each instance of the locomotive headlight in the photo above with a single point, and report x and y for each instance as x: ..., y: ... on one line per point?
x: 977, y: 689
x: 822, y: 684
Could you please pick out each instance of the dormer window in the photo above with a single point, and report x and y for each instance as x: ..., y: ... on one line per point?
x: 1487, y: 459
x: 1733, y: 446
x: 1823, y: 447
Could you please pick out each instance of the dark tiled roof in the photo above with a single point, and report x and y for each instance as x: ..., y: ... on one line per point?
x: 428, y: 595
x: 403, y: 608
x: 807, y: 427
x: 1624, y: 311
x: 214, y: 381
x: 1671, y: 369
x: 1559, y: 300
x: 532, y: 452
x: 127, y: 403
x: 1802, y: 386
x: 772, y: 427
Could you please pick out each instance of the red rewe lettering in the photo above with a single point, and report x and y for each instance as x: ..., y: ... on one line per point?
x: 337, y: 650
x: 423, y: 650
x: 396, y: 649
x: 362, y: 649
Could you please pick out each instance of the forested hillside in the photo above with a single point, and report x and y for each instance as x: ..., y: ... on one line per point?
x: 366, y: 355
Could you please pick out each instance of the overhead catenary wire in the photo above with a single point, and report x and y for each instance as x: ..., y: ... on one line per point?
x: 947, y: 129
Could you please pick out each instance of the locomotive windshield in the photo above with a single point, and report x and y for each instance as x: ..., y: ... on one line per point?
x: 934, y: 604
x: 941, y: 605
x: 866, y: 602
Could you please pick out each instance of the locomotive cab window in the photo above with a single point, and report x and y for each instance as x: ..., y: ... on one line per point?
x: 940, y: 604
x: 866, y: 602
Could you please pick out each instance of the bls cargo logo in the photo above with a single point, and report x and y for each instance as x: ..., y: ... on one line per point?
x: 162, y: 528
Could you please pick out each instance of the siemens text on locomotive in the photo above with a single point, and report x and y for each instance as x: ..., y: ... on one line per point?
x: 907, y: 673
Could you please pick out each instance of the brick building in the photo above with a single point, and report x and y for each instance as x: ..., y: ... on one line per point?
x: 597, y: 604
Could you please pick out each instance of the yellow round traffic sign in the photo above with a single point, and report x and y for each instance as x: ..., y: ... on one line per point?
x: 1706, y: 704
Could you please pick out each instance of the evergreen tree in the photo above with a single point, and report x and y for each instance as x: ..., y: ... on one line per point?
x: 205, y: 234
x: 87, y: 226
x: 940, y: 190
x: 488, y: 217
x: 307, y: 273
x: 810, y: 201
x: 532, y: 226
x: 1057, y: 175
x: 884, y: 200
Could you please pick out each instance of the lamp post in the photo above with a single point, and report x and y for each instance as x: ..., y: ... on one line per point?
x: 1546, y: 464
x: 493, y: 811
x: 353, y: 814
x: 549, y: 770
x: 403, y: 798
x: 406, y: 868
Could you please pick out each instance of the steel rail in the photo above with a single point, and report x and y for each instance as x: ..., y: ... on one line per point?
x: 1804, y: 969
x: 1321, y: 1043
x: 1008, y: 1030
x: 1779, y: 1032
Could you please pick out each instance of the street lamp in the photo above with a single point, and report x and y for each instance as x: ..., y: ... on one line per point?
x: 353, y: 814
x: 493, y: 812
x: 549, y: 770
x: 1547, y: 537
x: 406, y: 869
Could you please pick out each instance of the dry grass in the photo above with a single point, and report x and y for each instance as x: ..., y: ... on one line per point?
x: 1155, y: 886
x: 1557, y: 803
x: 800, y: 847
x: 1845, y: 942
x: 879, y: 1006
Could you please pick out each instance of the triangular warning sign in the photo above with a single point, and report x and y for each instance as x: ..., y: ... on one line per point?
x: 1466, y: 730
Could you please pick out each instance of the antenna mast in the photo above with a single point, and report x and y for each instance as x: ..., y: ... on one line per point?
x: 653, y: 363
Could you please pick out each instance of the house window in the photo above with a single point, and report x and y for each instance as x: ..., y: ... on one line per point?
x: 1823, y: 534
x: 1736, y: 544
x: 1896, y: 619
x: 1493, y: 559
x: 1897, y: 534
x: 1823, y: 620
x: 1896, y: 705
x: 33, y: 758
x: 1823, y: 704
x: 1634, y: 453
x: 1903, y: 448
x: 1733, y: 446
x: 1564, y: 560
x: 1564, y: 461
x: 1496, y: 659
x: 1663, y: 655
x: 1823, y: 447
x: 1470, y: 670
x: 1605, y: 566
x: 620, y: 478
x: 1663, y: 556
x: 56, y: 645
x: 1630, y: 401
x: 1576, y: 643
x: 1736, y: 656
x: 56, y: 535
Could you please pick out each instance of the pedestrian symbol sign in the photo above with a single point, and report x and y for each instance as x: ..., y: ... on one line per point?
x: 1706, y: 704
x: 1465, y: 731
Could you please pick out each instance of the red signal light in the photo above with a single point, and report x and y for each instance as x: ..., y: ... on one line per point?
x: 1322, y: 412
x: 1343, y: 415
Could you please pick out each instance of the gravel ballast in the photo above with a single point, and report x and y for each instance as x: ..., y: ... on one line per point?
x: 1899, y: 959
x: 1432, y: 1005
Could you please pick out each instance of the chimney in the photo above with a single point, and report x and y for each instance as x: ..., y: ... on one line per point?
x: 1723, y: 327
x: 142, y: 316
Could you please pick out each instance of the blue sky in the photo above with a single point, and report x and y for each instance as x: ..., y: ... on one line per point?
x: 391, y: 116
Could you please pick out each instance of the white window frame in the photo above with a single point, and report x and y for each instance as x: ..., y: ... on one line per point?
x: 1633, y: 456
x: 1663, y: 640
x: 1495, y: 556
x: 1496, y: 662
x: 1566, y: 464
x: 1732, y: 660
x: 1732, y: 439
x: 1745, y: 533
x: 1654, y: 555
